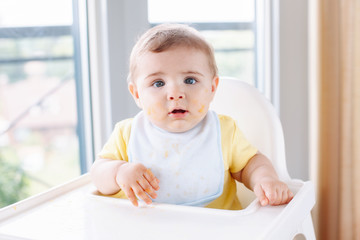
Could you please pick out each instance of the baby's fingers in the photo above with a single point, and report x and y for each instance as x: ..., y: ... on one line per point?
x: 131, y: 195
x: 284, y: 196
x: 153, y: 181
x: 141, y: 194
x: 273, y: 195
x: 278, y: 195
x: 145, y: 185
x: 260, y: 194
x: 287, y: 196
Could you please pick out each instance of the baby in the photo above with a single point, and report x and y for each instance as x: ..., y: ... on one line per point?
x: 176, y: 150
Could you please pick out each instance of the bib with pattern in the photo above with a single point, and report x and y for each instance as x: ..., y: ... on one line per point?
x: 189, y: 165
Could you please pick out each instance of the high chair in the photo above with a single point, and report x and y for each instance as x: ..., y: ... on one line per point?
x: 258, y: 120
x: 75, y: 211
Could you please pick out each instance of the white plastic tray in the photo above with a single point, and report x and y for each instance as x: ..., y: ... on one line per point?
x: 72, y: 211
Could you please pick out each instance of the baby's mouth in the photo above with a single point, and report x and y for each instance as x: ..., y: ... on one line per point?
x: 178, y: 111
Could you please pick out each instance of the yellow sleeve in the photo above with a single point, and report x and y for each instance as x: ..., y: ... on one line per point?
x: 237, y: 151
x: 116, y: 146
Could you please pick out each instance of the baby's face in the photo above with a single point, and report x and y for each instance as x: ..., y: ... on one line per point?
x: 174, y: 87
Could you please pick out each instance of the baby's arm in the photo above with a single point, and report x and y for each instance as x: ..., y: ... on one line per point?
x: 260, y: 176
x: 109, y: 176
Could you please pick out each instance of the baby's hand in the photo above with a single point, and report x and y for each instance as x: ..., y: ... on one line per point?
x: 137, y: 180
x: 272, y: 191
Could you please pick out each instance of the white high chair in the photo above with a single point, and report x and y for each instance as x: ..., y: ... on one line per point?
x: 74, y: 211
x: 258, y: 120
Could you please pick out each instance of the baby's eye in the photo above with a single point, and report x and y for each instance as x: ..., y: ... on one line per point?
x: 190, y: 81
x: 158, y: 84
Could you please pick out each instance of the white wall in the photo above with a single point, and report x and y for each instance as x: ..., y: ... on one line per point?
x: 126, y: 19
x: 114, y: 26
x: 293, y: 74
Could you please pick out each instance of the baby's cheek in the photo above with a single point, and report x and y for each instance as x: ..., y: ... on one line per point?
x: 195, y: 102
x: 199, y: 105
x: 149, y: 111
x: 152, y: 110
x: 202, y: 108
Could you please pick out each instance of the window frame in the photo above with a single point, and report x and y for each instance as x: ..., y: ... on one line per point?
x: 83, y: 84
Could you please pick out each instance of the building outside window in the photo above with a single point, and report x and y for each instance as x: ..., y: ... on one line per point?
x: 41, y: 106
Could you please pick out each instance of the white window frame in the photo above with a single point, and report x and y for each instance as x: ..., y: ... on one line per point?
x: 81, y: 9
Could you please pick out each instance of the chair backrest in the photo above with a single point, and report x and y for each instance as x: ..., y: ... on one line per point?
x: 256, y: 118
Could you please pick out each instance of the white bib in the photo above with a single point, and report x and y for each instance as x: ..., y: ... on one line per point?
x: 189, y: 165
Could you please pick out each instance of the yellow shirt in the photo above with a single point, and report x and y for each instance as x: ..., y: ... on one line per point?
x: 236, y: 150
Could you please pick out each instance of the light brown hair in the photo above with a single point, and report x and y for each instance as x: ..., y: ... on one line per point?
x: 166, y: 36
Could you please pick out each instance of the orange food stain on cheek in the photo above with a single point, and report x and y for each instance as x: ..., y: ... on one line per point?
x: 202, y: 109
x: 153, y: 109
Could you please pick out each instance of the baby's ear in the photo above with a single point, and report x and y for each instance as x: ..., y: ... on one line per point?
x: 134, y: 92
x: 215, y: 83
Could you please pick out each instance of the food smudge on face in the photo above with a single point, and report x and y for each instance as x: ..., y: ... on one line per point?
x: 202, y: 109
x: 149, y: 111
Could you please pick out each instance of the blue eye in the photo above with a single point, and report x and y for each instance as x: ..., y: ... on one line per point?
x: 190, y: 81
x: 158, y: 84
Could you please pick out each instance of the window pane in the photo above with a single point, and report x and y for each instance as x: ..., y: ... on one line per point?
x: 233, y: 52
x: 227, y: 24
x: 201, y: 11
x: 39, y: 127
x: 24, y: 13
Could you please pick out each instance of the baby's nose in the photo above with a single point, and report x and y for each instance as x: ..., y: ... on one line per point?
x: 175, y: 92
x: 176, y: 95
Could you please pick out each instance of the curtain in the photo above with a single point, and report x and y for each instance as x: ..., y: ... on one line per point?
x: 337, y: 212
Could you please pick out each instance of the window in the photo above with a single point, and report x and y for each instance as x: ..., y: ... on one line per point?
x: 229, y: 25
x: 44, y: 114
